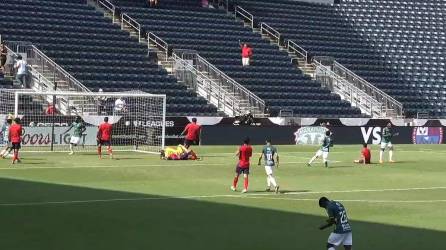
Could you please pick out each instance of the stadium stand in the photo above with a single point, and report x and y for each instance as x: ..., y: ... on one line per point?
x: 95, y: 51
x: 396, y: 45
x: 215, y: 35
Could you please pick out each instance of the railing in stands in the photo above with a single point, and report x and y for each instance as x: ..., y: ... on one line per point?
x: 274, y: 35
x: 159, y: 43
x: 108, y: 6
x: 388, y: 102
x: 130, y: 22
x: 300, y: 52
x: 239, y: 11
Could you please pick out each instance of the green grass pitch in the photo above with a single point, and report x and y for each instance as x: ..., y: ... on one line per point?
x: 136, y: 201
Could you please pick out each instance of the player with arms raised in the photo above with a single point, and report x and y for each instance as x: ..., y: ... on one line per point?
x: 337, y: 215
x: 386, y: 142
x: 244, y: 153
x: 104, y: 137
x: 79, y: 129
x: 327, y: 143
x: 270, y: 152
x: 15, y: 137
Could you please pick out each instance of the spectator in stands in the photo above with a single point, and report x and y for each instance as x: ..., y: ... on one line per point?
x: 51, y: 109
x: 246, y: 54
x: 3, y: 56
x: 101, y: 101
x: 120, y: 105
x: 21, y: 67
x: 153, y: 3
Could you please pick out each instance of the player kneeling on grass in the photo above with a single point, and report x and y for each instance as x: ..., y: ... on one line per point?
x: 181, y: 152
x: 270, y: 152
x: 244, y: 153
x: 324, y: 150
x: 79, y: 129
x: 7, y: 144
x: 366, y: 155
x: 337, y: 215
x: 104, y: 137
x: 15, y: 137
x: 386, y: 142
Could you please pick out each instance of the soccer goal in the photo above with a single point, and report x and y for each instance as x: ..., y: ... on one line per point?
x: 138, y: 119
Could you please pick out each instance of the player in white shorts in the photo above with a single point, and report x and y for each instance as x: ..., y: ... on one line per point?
x: 386, y: 143
x: 79, y: 129
x: 337, y: 216
x: 270, y: 152
x: 324, y: 150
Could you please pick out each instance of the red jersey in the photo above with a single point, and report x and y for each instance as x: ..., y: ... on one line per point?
x: 245, y: 152
x: 367, y: 154
x: 246, y: 52
x: 105, y: 131
x: 193, y: 131
x: 15, y: 133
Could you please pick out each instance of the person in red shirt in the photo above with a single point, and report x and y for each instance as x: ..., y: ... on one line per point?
x: 104, y: 137
x: 246, y: 54
x: 51, y: 109
x: 192, y: 131
x: 244, y: 153
x: 366, y: 155
x: 15, y: 137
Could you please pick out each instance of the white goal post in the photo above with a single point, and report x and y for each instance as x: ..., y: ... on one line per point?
x: 138, y: 119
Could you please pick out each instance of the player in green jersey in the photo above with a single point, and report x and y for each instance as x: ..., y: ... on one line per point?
x: 271, y: 156
x: 386, y: 142
x: 5, y: 133
x: 327, y: 143
x: 337, y: 215
x: 79, y: 129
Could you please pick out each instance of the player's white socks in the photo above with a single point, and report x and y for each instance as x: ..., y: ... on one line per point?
x: 381, y: 153
x: 272, y: 180
x: 390, y: 155
x: 332, y: 248
x: 312, y: 159
x: 268, y: 181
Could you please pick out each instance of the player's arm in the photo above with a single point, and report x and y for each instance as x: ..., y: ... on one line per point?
x: 237, y: 153
x: 69, y: 128
x: 260, y: 159
x: 83, y: 128
x: 330, y: 222
x: 98, y: 135
x: 185, y: 129
x: 277, y: 160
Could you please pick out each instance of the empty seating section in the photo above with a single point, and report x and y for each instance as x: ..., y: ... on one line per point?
x: 215, y: 36
x: 94, y: 50
x: 396, y: 45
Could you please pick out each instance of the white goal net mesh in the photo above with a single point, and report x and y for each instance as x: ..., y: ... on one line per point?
x: 138, y: 119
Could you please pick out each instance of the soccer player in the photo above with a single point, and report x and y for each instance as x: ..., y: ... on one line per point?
x: 270, y: 152
x: 324, y: 150
x: 337, y: 215
x: 366, y: 155
x: 15, y: 137
x: 192, y: 131
x: 244, y: 153
x: 79, y: 129
x: 104, y: 137
x: 5, y: 132
x: 386, y: 142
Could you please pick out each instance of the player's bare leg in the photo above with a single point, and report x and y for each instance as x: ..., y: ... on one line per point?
x: 110, y: 152
x: 7, y: 152
x: 234, y: 183
x: 311, y: 160
x: 71, y: 149
x: 268, y: 184
x: 245, y: 183
x: 15, y: 158
x: 391, y: 155
x: 100, y: 151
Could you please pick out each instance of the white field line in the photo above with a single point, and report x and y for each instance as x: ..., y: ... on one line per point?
x: 20, y: 167
x: 242, y: 196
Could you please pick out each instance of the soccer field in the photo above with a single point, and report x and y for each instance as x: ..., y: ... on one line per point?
x: 136, y: 201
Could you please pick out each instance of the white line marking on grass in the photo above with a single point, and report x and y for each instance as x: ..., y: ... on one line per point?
x: 249, y: 196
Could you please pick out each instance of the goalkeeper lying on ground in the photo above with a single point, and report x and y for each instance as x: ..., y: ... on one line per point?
x: 179, y: 153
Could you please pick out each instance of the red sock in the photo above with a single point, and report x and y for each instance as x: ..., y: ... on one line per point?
x: 99, y: 151
x: 246, y: 183
x: 16, y: 156
x: 234, y: 184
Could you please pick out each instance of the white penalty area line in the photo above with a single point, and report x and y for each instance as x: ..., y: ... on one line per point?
x: 240, y: 196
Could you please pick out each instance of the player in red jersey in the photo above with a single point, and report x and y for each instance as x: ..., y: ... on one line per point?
x: 104, y: 137
x: 366, y: 155
x: 192, y: 131
x: 243, y: 154
x: 15, y: 137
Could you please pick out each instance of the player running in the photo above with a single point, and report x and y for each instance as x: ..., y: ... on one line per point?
x: 270, y: 152
x: 244, y: 153
x: 366, y: 155
x: 337, y: 215
x: 327, y: 143
x: 192, y: 131
x: 79, y: 129
x: 15, y: 137
x: 5, y: 132
x: 104, y: 137
x: 386, y: 142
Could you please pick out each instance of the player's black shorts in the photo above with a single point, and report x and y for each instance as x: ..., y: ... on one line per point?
x: 191, y: 142
x: 240, y: 170
x: 16, y: 145
x: 104, y: 143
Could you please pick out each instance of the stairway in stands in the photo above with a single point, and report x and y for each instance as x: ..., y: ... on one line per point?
x: 93, y: 50
x: 344, y: 32
x: 215, y: 35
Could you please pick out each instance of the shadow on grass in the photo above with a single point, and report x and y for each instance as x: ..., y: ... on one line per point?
x: 137, y: 221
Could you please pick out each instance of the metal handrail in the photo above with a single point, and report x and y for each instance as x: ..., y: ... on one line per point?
x: 125, y: 18
x: 109, y: 6
x: 159, y: 42
x: 294, y: 47
x: 265, y: 28
x: 245, y: 14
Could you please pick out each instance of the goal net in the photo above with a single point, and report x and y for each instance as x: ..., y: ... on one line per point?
x: 138, y: 119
